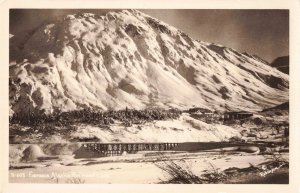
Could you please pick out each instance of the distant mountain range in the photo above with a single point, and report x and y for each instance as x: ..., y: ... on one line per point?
x: 282, y: 64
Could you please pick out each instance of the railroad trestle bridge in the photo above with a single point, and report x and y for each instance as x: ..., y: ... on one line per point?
x: 107, y: 149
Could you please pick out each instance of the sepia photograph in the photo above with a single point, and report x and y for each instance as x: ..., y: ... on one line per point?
x: 149, y: 96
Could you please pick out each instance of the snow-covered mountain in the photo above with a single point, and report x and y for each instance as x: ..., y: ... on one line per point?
x: 129, y: 59
x: 282, y: 64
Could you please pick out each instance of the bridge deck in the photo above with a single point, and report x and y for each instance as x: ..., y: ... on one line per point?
x: 106, y: 149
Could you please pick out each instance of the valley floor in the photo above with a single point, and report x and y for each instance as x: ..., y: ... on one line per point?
x: 263, y: 157
x: 142, y: 168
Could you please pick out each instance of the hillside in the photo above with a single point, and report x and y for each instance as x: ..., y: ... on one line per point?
x: 129, y: 59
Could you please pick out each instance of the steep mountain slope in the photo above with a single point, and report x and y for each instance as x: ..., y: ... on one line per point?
x: 129, y: 59
x: 282, y: 64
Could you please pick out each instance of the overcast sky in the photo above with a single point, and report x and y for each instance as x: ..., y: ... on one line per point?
x: 261, y: 32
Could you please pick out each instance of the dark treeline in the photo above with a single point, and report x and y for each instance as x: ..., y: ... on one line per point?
x: 127, y: 116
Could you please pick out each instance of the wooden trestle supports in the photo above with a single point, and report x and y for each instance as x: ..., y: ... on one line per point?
x: 120, y: 148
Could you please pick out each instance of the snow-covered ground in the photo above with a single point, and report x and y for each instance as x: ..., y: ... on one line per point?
x: 56, y: 162
x: 136, y: 168
x: 183, y: 129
